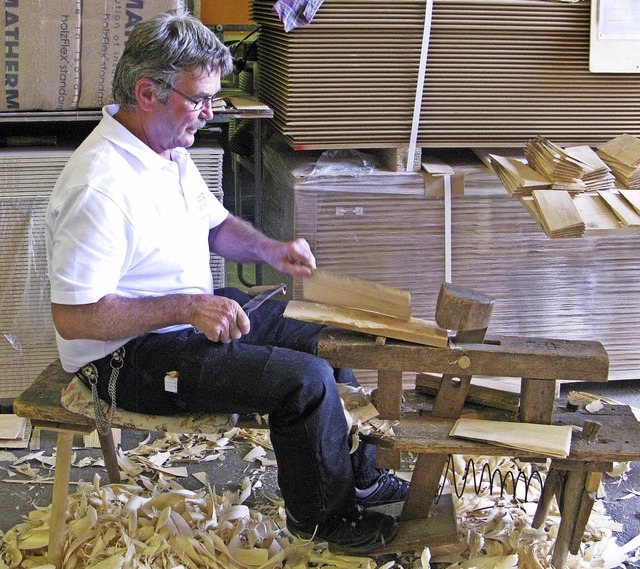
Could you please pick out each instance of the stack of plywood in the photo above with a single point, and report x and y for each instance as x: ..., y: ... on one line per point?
x: 497, y: 74
x: 26, y: 179
x: 208, y: 157
x: 543, y: 287
x: 27, y: 176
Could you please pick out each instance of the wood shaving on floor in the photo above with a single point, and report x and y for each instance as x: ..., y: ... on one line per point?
x: 152, y: 522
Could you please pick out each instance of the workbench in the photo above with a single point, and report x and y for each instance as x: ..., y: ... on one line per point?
x: 539, y: 363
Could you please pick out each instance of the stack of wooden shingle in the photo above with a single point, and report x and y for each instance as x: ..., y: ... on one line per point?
x: 622, y: 154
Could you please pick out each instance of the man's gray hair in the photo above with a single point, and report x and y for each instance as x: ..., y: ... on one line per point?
x: 164, y: 46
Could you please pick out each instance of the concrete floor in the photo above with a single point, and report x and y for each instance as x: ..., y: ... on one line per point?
x: 18, y: 499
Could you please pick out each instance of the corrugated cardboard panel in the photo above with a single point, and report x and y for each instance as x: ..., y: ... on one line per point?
x: 106, y: 25
x: 498, y: 73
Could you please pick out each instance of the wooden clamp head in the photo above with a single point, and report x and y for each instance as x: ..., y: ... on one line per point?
x: 463, y: 308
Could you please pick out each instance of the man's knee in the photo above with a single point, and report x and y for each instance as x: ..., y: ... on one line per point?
x: 306, y: 381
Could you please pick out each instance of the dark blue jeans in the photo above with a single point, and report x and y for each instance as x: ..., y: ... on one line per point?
x: 272, y: 370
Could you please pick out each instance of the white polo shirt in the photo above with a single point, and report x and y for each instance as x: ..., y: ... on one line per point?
x: 123, y: 220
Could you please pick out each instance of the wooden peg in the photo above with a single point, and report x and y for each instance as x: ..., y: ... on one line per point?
x: 590, y: 431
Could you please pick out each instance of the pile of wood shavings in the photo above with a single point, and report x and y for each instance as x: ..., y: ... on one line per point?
x: 121, y: 526
x: 496, y: 531
x: 162, y: 525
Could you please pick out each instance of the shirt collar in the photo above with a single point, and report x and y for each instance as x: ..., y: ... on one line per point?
x: 116, y: 133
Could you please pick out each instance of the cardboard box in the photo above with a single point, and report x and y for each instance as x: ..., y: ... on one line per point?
x: 41, y: 55
x: 106, y: 25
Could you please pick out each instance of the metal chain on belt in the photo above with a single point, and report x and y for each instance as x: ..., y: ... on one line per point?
x: 104, y: 421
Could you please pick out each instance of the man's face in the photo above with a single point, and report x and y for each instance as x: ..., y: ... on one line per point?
x: 176, y: 122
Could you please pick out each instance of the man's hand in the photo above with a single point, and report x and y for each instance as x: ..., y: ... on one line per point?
x: 236, y: 240
x: 219, y: 318
x: 292, y: 258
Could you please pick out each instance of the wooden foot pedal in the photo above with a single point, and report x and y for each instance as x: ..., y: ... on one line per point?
x: 440, y: 528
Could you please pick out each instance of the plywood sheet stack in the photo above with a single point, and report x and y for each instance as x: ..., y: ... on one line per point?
x: 543, y: 287
x: 498, y: 73
x: 27, y: 177
x: 360, y: 225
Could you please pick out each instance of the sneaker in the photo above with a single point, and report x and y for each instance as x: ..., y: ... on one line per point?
x: 358, y: 532
x: 386, y: 490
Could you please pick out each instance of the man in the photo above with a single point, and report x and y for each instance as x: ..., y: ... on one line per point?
x: 130, y: 227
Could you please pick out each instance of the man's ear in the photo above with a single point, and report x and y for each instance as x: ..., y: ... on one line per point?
x: 146, y: 93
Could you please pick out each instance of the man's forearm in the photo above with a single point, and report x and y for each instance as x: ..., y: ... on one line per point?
x: 236, y: 240
x: 115, y: 317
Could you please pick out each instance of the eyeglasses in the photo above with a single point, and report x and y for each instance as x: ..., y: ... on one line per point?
x: 198, y: 104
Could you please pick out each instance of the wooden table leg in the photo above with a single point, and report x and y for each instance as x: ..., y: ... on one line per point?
x: 551, y: 489
x: 110, y: 457
x: 59, y: 499
x: 425, y: 482
x: 584, y: 511
x: 571, y: 500
x: 389, y: 405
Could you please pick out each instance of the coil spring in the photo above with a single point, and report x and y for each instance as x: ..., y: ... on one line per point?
x: 486, y: 471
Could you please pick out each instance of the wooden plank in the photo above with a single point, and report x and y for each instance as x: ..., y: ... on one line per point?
x: 633, y: 197
x: 551, y: 440
x: 412, y: 330
x: 558, y: 213
x: 518, y: 178
x: 351, y: 292
x: 597, y: 215
x: 499, y: 356
x: 482, y: 395
x: 619, y: 438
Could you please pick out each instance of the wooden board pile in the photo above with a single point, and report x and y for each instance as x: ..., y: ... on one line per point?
x: 566, y: 169
x: 581, y: 194
x: 557, y: 213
